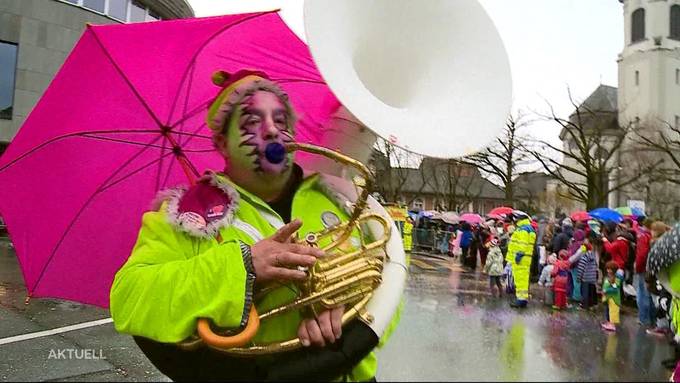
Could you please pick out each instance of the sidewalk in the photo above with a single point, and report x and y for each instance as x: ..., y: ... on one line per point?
x: 93, y: 354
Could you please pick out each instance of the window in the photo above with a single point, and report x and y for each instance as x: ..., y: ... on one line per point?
x: 95, y: 5
x: 637, y: 77
x: 122, y: 10
x: 152, y: 16
x: 638, y: 31
x: 675, y: 22
x: 118, y: 9
x: 137, y: 12
x: 8, y: 66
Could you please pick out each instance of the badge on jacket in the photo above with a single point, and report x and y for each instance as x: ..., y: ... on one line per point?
x: 216, y: 212
x: 329, y: 219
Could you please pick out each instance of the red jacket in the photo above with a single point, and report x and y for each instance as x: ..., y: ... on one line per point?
x: 642, y: 249
x: 618, y: 250
x: 560, y: 276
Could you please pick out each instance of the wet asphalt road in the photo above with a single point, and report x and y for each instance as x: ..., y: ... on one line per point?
x: 451, y: 329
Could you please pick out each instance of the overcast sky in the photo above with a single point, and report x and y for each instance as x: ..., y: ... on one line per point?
x: 552, y: 44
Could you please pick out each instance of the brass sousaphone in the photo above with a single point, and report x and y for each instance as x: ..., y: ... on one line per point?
x: 432, y: 77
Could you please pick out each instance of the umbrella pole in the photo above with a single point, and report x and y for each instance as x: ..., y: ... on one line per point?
x: 187, y: 167
x: 183, y: 161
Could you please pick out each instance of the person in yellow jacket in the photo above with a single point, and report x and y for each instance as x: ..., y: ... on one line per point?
x: 209, y: 248
x: 408, y: 232
x: 519, y: 256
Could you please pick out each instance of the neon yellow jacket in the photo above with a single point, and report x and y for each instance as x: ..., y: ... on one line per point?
x: 522, y: 240
x: 176, y: 274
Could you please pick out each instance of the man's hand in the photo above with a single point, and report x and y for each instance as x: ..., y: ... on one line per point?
x: 275, y: 258
x: 326, y: 328
x: 518, y: 257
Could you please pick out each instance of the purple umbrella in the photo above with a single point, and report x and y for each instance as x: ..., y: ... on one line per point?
x: 123, y: 119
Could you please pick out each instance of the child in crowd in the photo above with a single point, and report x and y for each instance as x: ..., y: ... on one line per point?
x: 587, y: 272
x: 509, y: 281
x: 560, y: 275
x: 576, y: 243
x: 611, y: 291
x: 494, y: 265
x: 546, y: 280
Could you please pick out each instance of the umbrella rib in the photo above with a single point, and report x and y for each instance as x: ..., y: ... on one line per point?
x: 82, y: 209
x: 192, y: 135
x: 282, y: 59
x: 287, y: 81
x: 204, y: 104
x: 189, y: 137
x: 192, y: 62
x: 167, y: 175
x: 206, y: 150
x: 127, y: 80
x: 193, y: 112
x: 70, y: 135
x: 126, y: 176
x: 246, y: 62
x: 117, y: 140
x: 160, y: 165
x: 186, y: 99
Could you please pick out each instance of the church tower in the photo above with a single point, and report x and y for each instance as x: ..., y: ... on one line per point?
x: 649, y: 66
x: 649, y: 94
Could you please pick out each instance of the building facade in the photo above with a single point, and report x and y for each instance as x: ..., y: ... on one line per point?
x: 649, y: 65
x: 647, y: 101
x: 36, y: 36
x: 442, y: 185
x: 649, y: 97
x: 530, y: 190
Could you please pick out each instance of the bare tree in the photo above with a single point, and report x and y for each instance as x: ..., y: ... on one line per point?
x: 452, y: 182
x: 392, y: 167
x: 502, y: 158
x: 590, y: 165
x: 657, y: 141
x: 663, y: 139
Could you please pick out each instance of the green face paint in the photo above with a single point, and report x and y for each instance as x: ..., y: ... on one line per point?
x: 259, y: 121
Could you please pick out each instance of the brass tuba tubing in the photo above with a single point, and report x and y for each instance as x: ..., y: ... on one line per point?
x: 338, y: 279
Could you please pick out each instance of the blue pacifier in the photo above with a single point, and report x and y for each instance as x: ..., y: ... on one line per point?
x: 275, y: 153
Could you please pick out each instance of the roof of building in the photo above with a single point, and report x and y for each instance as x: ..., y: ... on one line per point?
x: 598, y: 112
x: 603, y: 99
x: 471, y: 183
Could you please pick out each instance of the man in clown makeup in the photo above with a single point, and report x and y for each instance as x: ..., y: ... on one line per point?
x: 208, y: 249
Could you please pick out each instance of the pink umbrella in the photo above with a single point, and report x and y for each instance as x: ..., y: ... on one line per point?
x: 113, y: 128
x: 472, y: 218
x: 580, y: 216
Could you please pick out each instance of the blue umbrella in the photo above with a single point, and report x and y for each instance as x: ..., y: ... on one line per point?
x: 638, y: 212
x: 607, y: 215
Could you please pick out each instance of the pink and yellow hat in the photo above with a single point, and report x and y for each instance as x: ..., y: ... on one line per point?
x: 235, y: 88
